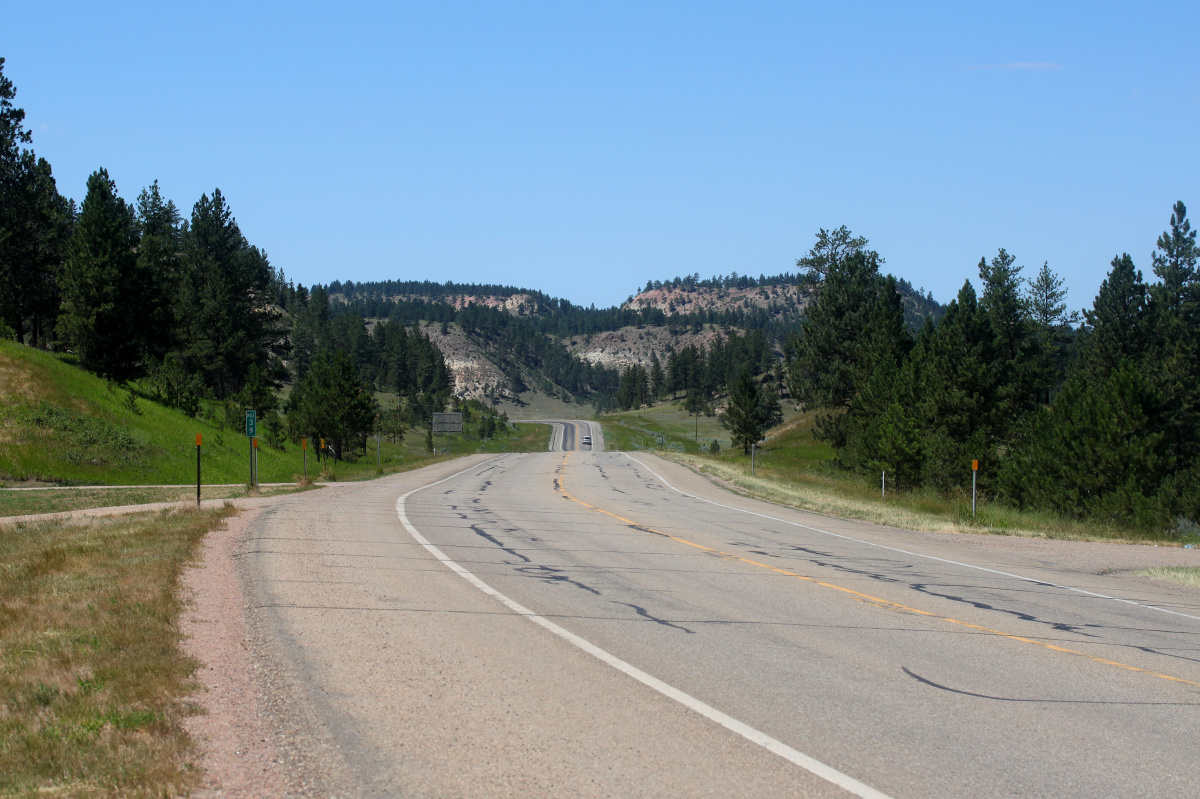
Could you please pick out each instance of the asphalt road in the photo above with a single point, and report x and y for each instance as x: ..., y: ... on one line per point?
x: 567, y: 435
x: 604, y: 624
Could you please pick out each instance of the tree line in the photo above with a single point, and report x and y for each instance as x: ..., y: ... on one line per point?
x: 188, y: 306
x: 1099, y: 419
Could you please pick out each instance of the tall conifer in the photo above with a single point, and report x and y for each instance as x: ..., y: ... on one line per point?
x: 101, y: 317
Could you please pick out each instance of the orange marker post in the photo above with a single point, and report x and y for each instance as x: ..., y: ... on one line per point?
x: 197, y: 470
x: 974, y: 473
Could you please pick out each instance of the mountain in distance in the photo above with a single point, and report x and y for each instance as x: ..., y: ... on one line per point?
x: 506, y: 343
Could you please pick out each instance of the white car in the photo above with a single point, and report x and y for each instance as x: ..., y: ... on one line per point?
x: 587, y: 440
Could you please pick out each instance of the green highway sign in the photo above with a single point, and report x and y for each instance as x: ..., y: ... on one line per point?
x: 250, y: 424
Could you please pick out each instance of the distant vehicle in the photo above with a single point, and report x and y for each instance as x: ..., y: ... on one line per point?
x: 587, y: 440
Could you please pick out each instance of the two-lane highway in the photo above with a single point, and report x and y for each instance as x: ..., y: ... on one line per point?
x: 604, y: 624
x: 568, y: 435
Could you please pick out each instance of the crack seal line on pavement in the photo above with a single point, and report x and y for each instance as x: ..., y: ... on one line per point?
x: 828, y: 773
x: 859, y: 594
x: 1033, y: 580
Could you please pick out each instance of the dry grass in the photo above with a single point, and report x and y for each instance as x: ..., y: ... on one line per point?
x: 92, y: 677
x: 846, y: 499
x: 1184, y: 575
x: 21, y: 503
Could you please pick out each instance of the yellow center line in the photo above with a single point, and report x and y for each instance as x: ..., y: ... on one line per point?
x: 896, y: 605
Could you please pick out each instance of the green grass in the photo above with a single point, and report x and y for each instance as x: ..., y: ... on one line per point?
x: 92, y: 677
x: 21, y: 503
x: 793, y: 468
x: 60, y: 424
x: 664, y: 426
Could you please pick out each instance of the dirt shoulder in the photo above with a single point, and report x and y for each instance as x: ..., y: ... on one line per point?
x: 234, y: 732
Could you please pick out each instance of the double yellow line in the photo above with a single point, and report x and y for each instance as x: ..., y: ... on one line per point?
x: 859, y: 594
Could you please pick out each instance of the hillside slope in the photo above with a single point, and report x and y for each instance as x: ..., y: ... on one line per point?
x: 60, y: 424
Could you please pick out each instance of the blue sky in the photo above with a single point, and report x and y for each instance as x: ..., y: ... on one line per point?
x: 582, y: 149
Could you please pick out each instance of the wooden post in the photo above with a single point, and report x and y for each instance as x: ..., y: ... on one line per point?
x: 197, y: 470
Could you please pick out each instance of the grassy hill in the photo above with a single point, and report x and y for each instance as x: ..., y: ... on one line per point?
x: 60, y: 424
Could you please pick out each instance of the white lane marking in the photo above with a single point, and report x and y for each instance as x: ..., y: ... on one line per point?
x: 1033, y: 580
x: 592, y: 427
x: 774, y: 745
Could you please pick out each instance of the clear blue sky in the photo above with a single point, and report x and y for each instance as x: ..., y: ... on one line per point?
x: 582, y: 149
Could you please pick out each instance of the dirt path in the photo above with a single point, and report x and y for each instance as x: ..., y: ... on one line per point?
x: 120, y: 510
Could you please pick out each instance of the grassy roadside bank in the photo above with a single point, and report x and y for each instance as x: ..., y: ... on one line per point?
x: 62, y: 425
x: 792, y: 468
x: 92, y: 676
x: 21, y: 503
x: 527, y: 438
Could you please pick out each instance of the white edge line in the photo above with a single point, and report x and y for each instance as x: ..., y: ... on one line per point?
x: 1033, y: 580
x: 773, y: 745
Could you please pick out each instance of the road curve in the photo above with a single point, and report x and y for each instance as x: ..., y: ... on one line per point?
x: 567, y: 435
x: 603, y: 624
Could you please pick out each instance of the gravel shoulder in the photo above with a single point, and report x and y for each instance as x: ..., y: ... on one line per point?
x: 234, y: 732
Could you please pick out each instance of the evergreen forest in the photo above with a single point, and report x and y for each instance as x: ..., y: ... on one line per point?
x: 1096, y: 417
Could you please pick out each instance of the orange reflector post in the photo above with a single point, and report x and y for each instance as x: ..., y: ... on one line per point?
x: 304, y: 443
x: 974, y: 465
x: 197, y: 439
x: 256, y: 442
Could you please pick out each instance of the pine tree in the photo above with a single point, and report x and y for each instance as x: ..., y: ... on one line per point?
x: 332, y: 402
x: 35, y: 223
x: 657, y: 378
x: 750, y: 412
x: 854, y: 329
x: 1173, y: 365
x: 227, y: 320
x: 1118, y: 327
x: 159, y: 268
x: 1176, y: 258
x: 951, y: 388
x: 1099, y: 451
x: 1053, y: 332
x: 1007, y: 310
x: 101, y: 313
x: 826, y: 366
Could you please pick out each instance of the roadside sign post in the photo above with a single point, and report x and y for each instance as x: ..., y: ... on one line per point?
x: 447, y: 423
x: 322, y: 455
x: 883, y: 485
x: 304, y: 454
x: 197, y: 470
x: 377, y: 442
x: 974, y: 473
x: 255, y: 449
x: 753, y: 452
x: 251, y: 425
